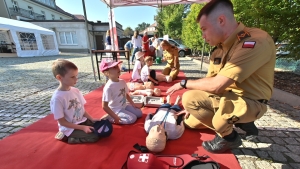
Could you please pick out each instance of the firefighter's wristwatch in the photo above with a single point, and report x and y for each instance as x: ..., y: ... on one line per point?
x: 183, y: 83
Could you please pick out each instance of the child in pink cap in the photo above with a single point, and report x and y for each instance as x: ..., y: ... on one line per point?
x: 114, y: 96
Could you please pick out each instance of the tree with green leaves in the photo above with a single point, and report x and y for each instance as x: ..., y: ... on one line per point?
x: 278, y: 18
x: 169, y: 20
x: 191, y: 33
x: 142, y: 26
x: 128, y: 31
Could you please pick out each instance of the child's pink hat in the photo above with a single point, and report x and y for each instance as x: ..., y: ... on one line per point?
x: 108, y: 63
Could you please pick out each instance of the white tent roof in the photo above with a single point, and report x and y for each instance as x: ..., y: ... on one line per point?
x: 154, y: 3
x: 7, y: 24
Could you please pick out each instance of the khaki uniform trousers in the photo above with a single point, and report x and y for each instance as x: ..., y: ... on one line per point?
x: 169, y: 72
x: 219, y: 113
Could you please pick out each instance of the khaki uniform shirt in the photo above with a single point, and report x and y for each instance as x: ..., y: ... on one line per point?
x: 248, y: 57
x: 172, y: 57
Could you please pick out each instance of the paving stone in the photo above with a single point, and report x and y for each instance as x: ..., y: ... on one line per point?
x: 263, y: 155
x: 247, y: 164
x: 6, y: 129
x: 248, y: 144
x: 267, y: 133
x: 264, y: 146
x: 294, y: 148
x: 276, y: 147
x: 3, y: 135
x: 249, y: 154
x: 280, y: 134
x: 15, y: 129
x: 281, y: 166
x: 263, y: 164
x: 295, y: 165
x: 277, y: 156
x: 294, y: 157
x: 278, y: 140
x: 264, y: 139
x: 6, y: 118
x: 291, y: 141
x: 290, y: 133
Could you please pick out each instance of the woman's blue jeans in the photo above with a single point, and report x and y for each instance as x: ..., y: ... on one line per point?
x: 133, y: 53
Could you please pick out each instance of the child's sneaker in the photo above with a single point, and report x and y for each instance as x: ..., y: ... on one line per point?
x: 61, y: 136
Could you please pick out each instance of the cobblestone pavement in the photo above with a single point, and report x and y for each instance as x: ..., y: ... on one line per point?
x: 27, y: 84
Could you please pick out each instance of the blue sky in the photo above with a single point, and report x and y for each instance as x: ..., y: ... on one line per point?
x: 97, y: 10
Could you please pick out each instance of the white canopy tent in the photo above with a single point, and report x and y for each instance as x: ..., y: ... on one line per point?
x: 154, y: 3
x: 28, y: 39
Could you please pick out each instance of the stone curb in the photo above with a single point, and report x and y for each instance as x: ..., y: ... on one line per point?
x: 281, y: 96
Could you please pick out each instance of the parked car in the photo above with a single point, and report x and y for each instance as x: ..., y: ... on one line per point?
x: 182, y: 50
x: 281, y: 50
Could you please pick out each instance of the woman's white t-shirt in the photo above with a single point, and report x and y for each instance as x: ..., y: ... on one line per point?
x: 115, y: 94
x: 135, y: 73
x: 136, y: 42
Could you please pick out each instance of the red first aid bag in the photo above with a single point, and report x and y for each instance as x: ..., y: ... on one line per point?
x: 137, y: 160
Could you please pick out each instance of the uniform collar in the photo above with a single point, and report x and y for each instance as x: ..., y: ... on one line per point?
x: 231, y: 39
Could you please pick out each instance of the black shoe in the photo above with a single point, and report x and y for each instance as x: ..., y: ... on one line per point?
x: 219, y: 144
x: 250, y: 129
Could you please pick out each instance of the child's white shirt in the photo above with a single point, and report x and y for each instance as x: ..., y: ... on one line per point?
x: 135, y: 73
x: 68, y: 105
x: 115, y: 94
x: 173, y: 130
x: 145, y: 73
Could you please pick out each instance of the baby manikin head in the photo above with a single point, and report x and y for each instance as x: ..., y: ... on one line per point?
x: 156, y: 139
x: 156, y: 92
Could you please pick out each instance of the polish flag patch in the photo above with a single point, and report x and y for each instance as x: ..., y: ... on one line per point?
x: 248, y: 44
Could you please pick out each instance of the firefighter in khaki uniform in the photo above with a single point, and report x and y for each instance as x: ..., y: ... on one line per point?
x: 171, y: 56
x: 240, y: 78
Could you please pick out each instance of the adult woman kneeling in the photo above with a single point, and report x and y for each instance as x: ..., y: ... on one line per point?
x: 170, y: 54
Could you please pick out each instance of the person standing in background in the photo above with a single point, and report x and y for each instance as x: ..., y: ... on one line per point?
x: 145, y: 44
x: 156, y: 44
x: 137, y: 44
x: 108, y: 40
x: 128, y: 46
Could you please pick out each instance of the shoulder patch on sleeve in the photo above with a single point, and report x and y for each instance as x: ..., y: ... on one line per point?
x: 249, y: 44
x: 243, y: 35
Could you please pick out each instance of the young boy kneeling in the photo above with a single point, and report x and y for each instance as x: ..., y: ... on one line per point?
x: 67, y: 105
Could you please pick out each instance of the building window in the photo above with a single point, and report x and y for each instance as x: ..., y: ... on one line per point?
x: 61, y: 18
x: 48, y: 42
x: 15, y: 6
x: 52, y: 3
x: 53, y: 17
x: 27, y: 41
x: 30, y: 10
x: 44, y: 14
x: 3, y: 39
x: 68, y: 38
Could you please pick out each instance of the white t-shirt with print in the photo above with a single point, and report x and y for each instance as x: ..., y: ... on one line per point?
x: 145, y: 72
x: 68, y: 105
x: 135, y: 72
x: 115, y: 94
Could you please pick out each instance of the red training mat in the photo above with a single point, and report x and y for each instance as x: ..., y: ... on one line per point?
x: 35, y: 147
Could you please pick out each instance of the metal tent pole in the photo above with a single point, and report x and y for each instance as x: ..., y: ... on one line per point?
x: 112, y: 29
x: 88, y: 38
